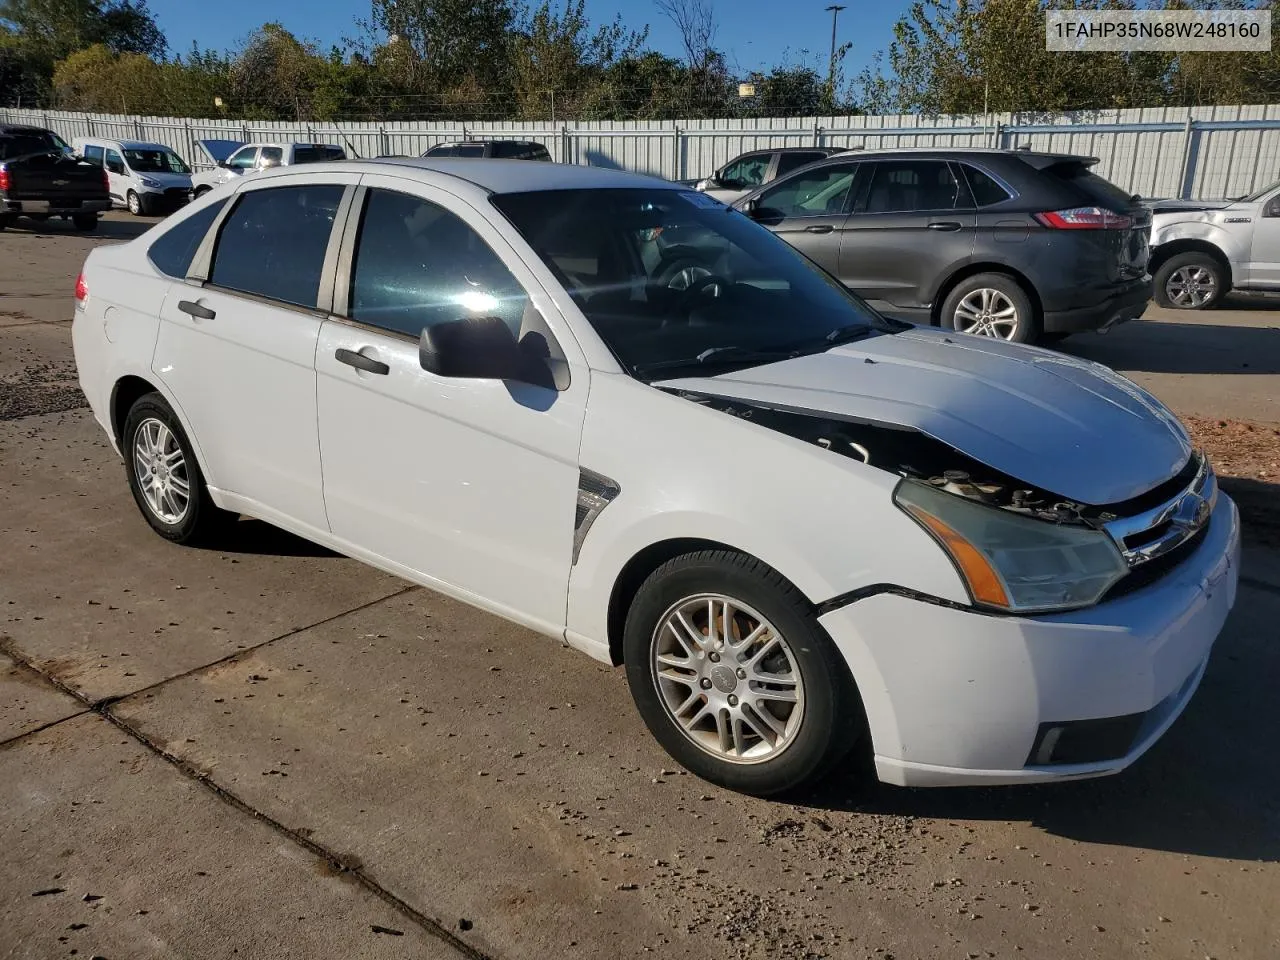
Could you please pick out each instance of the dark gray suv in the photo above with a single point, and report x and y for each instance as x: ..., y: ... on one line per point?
x: 1005, y: 243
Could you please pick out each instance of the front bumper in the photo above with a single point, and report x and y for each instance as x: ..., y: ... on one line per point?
x: 1116, y: 306
x: 956, y: 697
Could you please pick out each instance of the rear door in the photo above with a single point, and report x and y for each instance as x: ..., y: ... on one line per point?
x: 238, y: 339
x: 912, y: 223
x: 118, y: 181
x: 809, y: 210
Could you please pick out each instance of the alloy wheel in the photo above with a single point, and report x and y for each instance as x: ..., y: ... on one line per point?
x: 727, y: 678
x: 1191, y: 286
x: 987, y: 312
x: 161, y: 469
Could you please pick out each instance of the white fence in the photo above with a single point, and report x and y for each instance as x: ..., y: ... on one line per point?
x: 1159, y: 152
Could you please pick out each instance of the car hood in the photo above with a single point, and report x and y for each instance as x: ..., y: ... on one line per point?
x: 168, y: 179
x: 1187, y: 206
x: 1065, y: 425
x: 219, y: 150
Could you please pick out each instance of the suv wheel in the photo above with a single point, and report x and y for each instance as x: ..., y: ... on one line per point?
x: 734, y: 677
x: 164, y: 477
x: 1189, y: 281
x: 990, y: 305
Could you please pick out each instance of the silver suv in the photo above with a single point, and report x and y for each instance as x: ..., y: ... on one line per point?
x: 1200, y: 249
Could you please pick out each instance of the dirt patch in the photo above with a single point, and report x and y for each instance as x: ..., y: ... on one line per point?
x: 1247, y: 458
x: 41, y: 387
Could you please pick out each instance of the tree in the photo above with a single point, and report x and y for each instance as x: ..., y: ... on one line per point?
x: 274, y: 75
x: 57, y: 28
x: 98, y: 79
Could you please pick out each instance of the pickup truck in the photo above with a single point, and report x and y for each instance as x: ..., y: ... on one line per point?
x: 250, y: 157
x: 39, y: 179
x: 1201, y: 249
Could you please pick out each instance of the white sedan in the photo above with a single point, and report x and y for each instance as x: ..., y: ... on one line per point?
x: 625, y: 416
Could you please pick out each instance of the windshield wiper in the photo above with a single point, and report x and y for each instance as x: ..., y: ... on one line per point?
x: 713, y: 356
x: 855, y: 331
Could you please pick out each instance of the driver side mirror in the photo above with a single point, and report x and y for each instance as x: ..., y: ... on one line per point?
x: 223, y: 164
x: 484, y: 348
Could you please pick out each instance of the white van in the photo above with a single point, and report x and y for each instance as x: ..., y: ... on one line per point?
x: 148, y: 178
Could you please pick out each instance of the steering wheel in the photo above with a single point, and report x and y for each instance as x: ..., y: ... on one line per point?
x: 687, y: 298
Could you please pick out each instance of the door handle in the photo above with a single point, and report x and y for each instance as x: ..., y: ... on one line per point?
x: 196, y: 310
x: 361, y: 362
x: 948, y: 226
x: 819, y: 228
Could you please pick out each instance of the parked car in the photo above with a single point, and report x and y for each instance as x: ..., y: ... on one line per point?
x: 256, y: 157
x: 1201, y: 250
x: 800, y: 525
x: 1002, y: 243
x: 145, y: 178
x: 491, y: 149
x: 744, y: 173
x: 39, y: 179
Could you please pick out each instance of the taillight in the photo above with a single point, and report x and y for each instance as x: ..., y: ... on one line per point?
x: 1085, y: 218
x: 106, y: 179
x: 82, y: 290
x: 4, y: 177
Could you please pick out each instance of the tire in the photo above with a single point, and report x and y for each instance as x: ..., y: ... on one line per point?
x: 85, y: 222
x: 1190, y: 281
x: 134, y: 203
x: 992, y: 305
x: 151, y: 423
x: 809, y: 735
x: 5, y: 220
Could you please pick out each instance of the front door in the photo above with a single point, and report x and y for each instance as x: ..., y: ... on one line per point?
x: 809, y: 210
x: 467, y: 484
x: 913, y: 221
x: 238, y: 351
x: 1264, y: 256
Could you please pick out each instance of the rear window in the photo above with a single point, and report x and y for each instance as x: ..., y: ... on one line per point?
x: 1094, y: 188
x: 173, y: 252
x: 23, y: 144
x: 317, y: 153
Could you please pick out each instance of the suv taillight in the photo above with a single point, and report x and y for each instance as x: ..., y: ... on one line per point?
x: 106, y: 179
x: 82, y: 290
x: 4, y: 177
x: 1085, y: 218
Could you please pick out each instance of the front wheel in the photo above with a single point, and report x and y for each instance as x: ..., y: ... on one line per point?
x: 1189, y: 281
x: 990, y: 305
x: 164, y: 477
x: 734, y: 676
x: 134, y: 203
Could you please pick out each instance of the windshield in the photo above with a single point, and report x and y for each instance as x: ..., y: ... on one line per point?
x: 155, y: 161
x: 673, y: 279
x: 1254, y: 197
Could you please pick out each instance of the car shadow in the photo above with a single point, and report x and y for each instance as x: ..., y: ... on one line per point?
x: 108, y: 228
x: 1162, y: 346
x: 252, y: 536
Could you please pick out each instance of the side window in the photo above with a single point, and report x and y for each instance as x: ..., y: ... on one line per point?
x: 469, y: 150
x: 243, y: 158
x: 985, y: 190
x: 905, y: 186
x: 538, y: 152
x: 814, y: 193
x: 93, y: 154
x: 270, y: 157
x: 173, y: 252
x: 273, y: 243
x: 114, y: 162
x: 794, y: 161
x: 444, y: 151
x: 746, y: 171
x: 507, y: 151
x: 416, y: 264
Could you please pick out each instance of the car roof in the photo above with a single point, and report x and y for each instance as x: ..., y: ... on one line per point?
x: 22, y: 129
x: 515, y: 176
x: 1037, y: 159
x: 480, y: 143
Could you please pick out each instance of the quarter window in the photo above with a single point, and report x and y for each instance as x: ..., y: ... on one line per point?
x: 794, y: 161
x: 114, y: 163
x: 271, y: 157
x: 813, y: 193
x: 417, y: 264
x: 173, y: 252
x: 93, y: 155
x: 746, y: 171
x: 986, y: 191
x: 906, y: 186
x: 273, y: 243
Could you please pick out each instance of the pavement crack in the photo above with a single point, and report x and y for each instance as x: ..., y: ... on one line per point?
x: 1256, y: 584
x: 19, y: 737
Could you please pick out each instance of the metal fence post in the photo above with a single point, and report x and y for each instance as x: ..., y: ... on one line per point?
x: 1185, y: 181
x: 678, y: 165
x: 817, y: 134
x: 137, y: 128
x: 997, y: 136
x: 566, y: 145
x: 88, y: 122
x: 384, y: 142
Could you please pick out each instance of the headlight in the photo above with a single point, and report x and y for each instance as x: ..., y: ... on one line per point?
x: 1011, y: 562
x: 150, y: 183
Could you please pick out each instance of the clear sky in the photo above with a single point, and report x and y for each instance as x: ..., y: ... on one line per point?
x: 754, y: 33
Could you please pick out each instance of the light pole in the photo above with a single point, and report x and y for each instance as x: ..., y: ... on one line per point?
x: 834, y: 10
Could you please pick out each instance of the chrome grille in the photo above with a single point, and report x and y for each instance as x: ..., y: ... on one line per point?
x: 1155, y: 532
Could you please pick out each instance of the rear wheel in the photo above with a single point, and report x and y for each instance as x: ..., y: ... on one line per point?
x: 85, y: 222
x: 1189, y: 281
x: 165, y: 478
x: 990, y: 305
x: 734, y: 677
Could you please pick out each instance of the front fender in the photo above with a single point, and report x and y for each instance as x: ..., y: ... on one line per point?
x: 1233, y: 244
